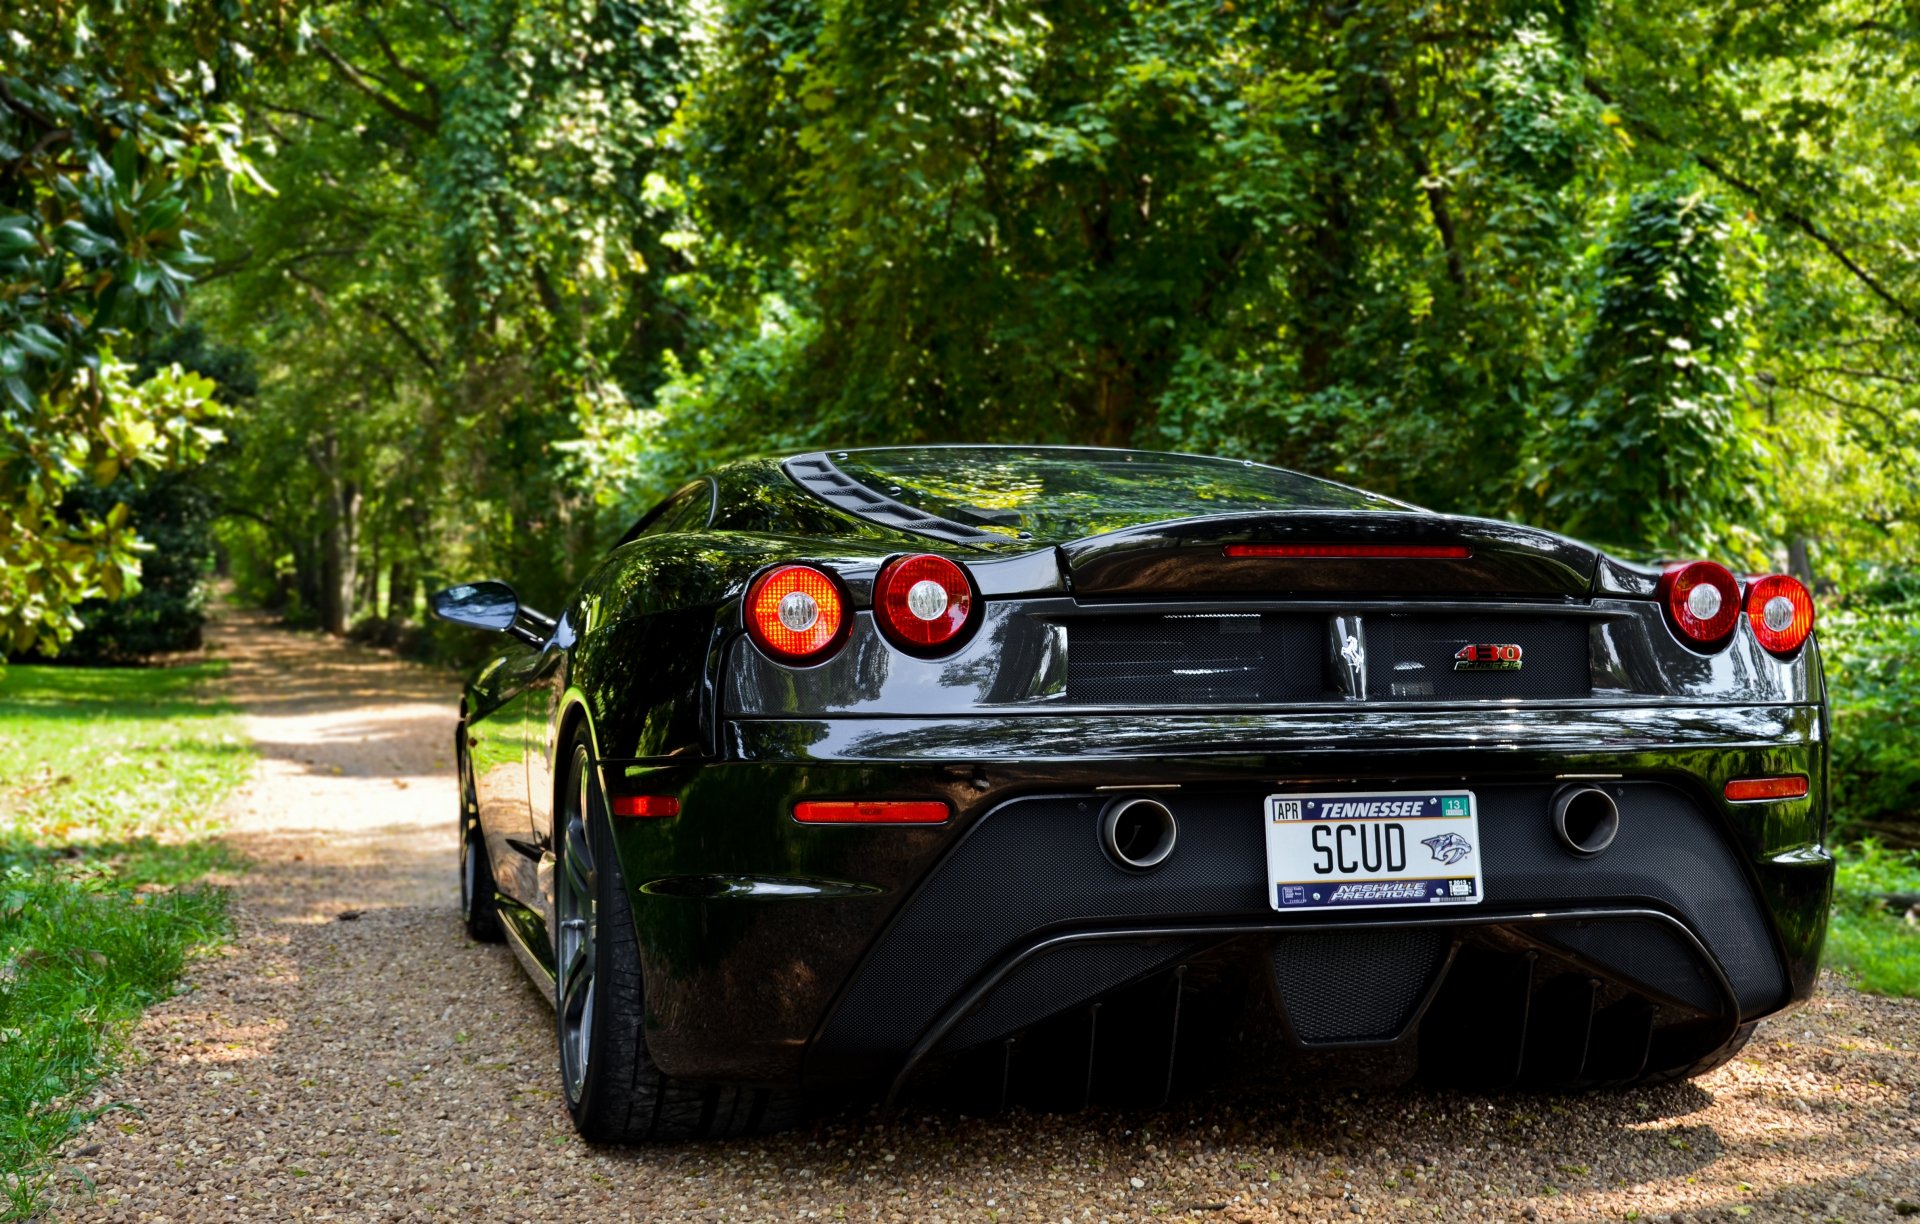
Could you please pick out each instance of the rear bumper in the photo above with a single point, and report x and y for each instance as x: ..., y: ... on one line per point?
x: 778, y: 953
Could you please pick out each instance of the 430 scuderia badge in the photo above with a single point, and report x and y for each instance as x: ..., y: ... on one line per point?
x: 1488, y: 656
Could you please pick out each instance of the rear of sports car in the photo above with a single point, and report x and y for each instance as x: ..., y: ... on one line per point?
x: 1097, y: 798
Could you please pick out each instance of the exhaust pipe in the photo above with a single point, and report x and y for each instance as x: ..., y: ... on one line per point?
x: 1585, y: 819
x: 1137, y: 833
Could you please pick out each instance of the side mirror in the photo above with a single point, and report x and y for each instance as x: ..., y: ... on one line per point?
x: 488, y: 605
x: 478, y: 605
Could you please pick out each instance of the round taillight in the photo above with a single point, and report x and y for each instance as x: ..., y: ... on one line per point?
x: 1781, y: 613
x: 796, y: 613
x: 923, y: 603
x: 1703, y: 601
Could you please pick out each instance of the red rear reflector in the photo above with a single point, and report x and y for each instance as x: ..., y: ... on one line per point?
x: 886, y: 811
x: 645, y: 805
x: 1352, y: 552
x: 1742, y: 790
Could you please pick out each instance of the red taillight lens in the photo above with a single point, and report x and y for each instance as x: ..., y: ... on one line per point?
x: 923, y: 603
x: 1351, y: 552
x: 796, y: 613
x: 886, y: 811
x: 1745, y: 790
x: 1781, y: 613
x: 1703, y: 601
x: 650, y: 807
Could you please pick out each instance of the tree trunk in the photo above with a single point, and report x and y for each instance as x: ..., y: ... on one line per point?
x: 1328, y: 270
x: 370, y: 580
x: 338, y: 544
x: 308, y: 579
x: 399, y: 593
x: 1114, y: 398
x: 1800, y: 560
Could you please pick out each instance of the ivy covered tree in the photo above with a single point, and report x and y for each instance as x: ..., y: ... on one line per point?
x: 1640, y: 444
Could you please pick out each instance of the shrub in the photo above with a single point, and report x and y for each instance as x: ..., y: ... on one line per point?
x: 174, y: 516
x: 1872, y: 657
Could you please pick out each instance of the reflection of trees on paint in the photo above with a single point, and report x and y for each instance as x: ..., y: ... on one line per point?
x: 1072, y: 493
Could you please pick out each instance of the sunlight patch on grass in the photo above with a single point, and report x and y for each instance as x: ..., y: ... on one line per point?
x: 1872, y: 943
x: 110, y: 781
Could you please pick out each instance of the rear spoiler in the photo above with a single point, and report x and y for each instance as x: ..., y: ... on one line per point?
x: 1370, y: 552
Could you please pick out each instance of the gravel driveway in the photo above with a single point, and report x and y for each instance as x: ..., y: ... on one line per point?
x: 353, y: 1057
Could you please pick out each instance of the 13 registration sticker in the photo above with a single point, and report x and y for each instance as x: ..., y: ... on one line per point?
x: 1373, y: 849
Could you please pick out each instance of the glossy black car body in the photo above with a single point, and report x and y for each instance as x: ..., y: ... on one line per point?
x: 791, y: 957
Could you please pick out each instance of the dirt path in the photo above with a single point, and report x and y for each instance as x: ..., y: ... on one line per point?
x: 353, y: 1057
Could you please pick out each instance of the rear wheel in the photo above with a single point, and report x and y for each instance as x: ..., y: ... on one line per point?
x: 478, y: 909
x: 614, y: 1091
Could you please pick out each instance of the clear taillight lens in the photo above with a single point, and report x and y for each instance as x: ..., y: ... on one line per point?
x: 796, y: 613
x: 1780, y: 611
x: 923, y: 603
x: 1703, y: 601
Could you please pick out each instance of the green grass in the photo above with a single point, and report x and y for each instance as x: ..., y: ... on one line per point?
x: 109, y: 784
x: 1873, y: 944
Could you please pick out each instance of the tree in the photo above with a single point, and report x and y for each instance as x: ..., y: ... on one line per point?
x: 112, y: 122
x: 486, y: 282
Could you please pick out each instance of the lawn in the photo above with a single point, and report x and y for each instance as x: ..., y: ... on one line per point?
x: 1869, y: 941
x: 109, y: 784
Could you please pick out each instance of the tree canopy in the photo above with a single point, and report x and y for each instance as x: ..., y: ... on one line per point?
x: 1641, y: 272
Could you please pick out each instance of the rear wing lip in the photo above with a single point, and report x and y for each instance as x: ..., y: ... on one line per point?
x: 1188, y: 556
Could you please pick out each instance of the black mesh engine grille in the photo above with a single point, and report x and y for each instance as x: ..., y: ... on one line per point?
x: 1356, y: 985
x: 1411, y: 657
x: 1245, y: 658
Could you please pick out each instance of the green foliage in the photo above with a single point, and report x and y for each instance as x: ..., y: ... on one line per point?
x: 1638, y: 450
x: 1628, y: 271
x: 1870, y: 654
x: 105, y: 778
x: 496, y: 267
x: 113, y: 125
x: 80, y: 958
x: 1870, y: 940
x: 55, y: 553
x: 174, y: 518
x: 108, y: 755
x: 1013, y: 220
x: 1542, y: 122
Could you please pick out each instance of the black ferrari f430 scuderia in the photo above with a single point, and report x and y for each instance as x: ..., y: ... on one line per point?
x: 1087, y: 772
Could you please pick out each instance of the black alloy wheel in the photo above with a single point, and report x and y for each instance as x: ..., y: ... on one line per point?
x: 577, y: 924
x: 613, y: 1089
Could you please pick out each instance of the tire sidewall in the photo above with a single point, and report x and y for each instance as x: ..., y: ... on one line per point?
x: 606, y: 877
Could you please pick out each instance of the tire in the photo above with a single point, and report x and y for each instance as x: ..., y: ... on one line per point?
x: 613, y: 1090
x: 1706, y: 1062
x: 479, y: 910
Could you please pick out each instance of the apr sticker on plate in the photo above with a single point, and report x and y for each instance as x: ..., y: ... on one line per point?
x: 1373, y: 849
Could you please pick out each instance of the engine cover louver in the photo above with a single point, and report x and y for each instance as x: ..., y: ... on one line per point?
x: 1245, y: 659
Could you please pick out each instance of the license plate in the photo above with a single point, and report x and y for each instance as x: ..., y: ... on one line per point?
x: 1373, y: 848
